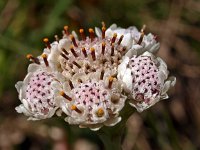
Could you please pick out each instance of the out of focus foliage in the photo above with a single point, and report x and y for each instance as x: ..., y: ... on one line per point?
x: 170, y: 125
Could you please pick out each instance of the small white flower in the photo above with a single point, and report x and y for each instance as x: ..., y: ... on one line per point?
x: 36, y: 92
x: 134, y: 40
x: 146, y: 80
x: 54, y: 50
x: 90, y: 54
x: 92, y: 102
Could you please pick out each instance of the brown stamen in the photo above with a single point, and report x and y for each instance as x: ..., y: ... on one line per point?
x: 143, y: 28
x: 73, y: 51
x: 103, y: 48
x: 56, y: 38
x: 141, y: 38
x: 103, y: 32
x: 82, y: 34
x: 62, y: 93
x: 120, y: 39
x: 47, y: 43
x: 65, y: 51
x: 73, y: 40
x: 44, y: 56
x: 66, y: 30
x: 33, y: 59
x: 102, y: 74
x: 114, y: 38
x: 93, y: 70
x: 73, y: 107
x: 71, y: 84
x: 93, y: 53
x: 87, y: 66
x: 110, y: 82
x: 91, y: 31
x: 124, y: 49
x: 64, y: 56
x: 70, y: 65
x: 76, y: 64
x: 80, y: 81
x: 84, y: 52
x: 112, y: 49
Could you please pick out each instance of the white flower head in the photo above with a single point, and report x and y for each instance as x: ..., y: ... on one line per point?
x: 90, y: 101
x: 89, y: 78
x: 135, y: 40
x: 91, y: 53
x: 36, y: 92
x: 145, y: 79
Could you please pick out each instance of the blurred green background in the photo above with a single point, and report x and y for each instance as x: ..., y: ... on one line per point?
x: 172, y: 124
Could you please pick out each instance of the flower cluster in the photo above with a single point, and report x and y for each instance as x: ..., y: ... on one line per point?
x: 90, y: 78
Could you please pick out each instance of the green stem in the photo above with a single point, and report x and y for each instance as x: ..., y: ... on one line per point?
x: 111, y: 139
x: 112, y: 136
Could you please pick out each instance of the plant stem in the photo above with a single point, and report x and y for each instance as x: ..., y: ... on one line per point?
x: 112, y: 137
x: 111, y: 140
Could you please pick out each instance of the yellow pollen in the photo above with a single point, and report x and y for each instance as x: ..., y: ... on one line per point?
x: 91, y: 30
x: 44, y: 56
x: 110, y: 82
x: 73, y: 107
x: 92, y: 49
x: 111, y: 79
x: 103, y: 31
x: 114, y: 38
x: 82, y: 34
x: 84, y: 52
x: 62, y: 93
x: 71, y: 47
x: 115, y: 35
x: 100, y: 112
x: 29, y: 56
x: 46, y: 40
x: 33, y: 59
x: 81, y: 30
x: 66, y: 28
x: 73, y: 40
x: 71, y: 36
x: 47, y: 43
